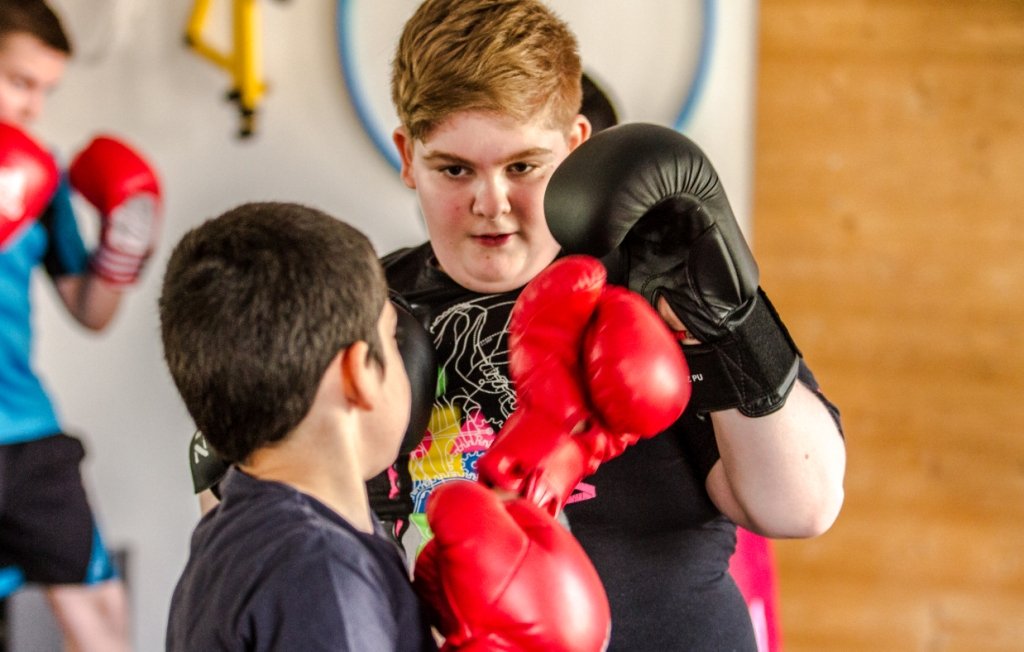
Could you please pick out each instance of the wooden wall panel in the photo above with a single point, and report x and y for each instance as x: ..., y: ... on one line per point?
x: 889, y: 226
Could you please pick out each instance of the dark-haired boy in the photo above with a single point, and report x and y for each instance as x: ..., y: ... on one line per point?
x: 279, y: 335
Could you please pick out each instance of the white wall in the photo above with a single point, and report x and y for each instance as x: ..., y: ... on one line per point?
x: 135, y: 77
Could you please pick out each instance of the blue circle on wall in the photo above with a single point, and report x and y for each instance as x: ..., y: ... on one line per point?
x: 367, y: 33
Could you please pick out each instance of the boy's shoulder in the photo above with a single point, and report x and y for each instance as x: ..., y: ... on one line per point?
x: 276, y: 520
x: 259, y: 517
x: 320, y: 580
x: 407, y: 261
x: 413, y: 272
x: 268, y: 539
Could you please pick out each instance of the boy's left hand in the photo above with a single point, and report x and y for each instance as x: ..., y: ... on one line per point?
x: 124, y: 188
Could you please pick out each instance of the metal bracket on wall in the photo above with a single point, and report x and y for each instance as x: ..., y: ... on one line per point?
x: 243, y: 62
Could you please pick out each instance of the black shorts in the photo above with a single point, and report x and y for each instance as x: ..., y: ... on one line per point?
x: 47, y: 528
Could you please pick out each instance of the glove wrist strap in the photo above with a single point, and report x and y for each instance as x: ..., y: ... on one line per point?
x: 116, y: 268
x: 753, y: 369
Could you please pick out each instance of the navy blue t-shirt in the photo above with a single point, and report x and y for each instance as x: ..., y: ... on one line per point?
x: 271, y: 568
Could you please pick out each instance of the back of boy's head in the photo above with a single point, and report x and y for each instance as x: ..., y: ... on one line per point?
x: 511, y: 57
x: 254, y: 306
x: 36, y: 18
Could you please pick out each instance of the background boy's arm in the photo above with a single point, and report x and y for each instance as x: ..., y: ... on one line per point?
x: 89, y: 300
x: 124, y: 188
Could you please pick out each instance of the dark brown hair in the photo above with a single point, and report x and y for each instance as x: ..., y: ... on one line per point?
x: 36, y: 18
x: 255, y: 304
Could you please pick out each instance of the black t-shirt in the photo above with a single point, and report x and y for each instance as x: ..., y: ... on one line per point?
x: 271, y: 568
x: 645, y: 519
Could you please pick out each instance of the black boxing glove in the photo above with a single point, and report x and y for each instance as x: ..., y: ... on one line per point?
x: 647, y: 201
x: 420, y: 360
x: 389, y: 491
x: 206, y: 466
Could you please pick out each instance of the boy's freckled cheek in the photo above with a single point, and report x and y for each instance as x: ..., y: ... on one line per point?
x: 451, y: 211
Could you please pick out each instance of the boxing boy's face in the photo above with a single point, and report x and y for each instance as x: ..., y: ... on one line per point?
x: 29, y: 71
x: 480, y: 179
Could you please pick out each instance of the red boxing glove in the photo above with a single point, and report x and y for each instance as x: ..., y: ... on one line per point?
x: 124, y: 189
x: 28, y: 179
x: 638, y: 381
x: 545, y: 334
x: 506, y: 576
x: 545, y: 338
x: 627, y: 379
x: 638, y: 385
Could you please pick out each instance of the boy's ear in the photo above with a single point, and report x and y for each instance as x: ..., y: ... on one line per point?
x: 579, y: 132
x: 357, y: 375
x: 404, y: 143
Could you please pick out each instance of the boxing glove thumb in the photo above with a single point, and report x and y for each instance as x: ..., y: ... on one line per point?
x: 28, y: 179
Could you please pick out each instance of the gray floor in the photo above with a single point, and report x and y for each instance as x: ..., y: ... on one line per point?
x: 26, y: 623
x: 30, y: 627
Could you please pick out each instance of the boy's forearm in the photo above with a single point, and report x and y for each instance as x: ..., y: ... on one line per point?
x: 780, y: 475
x: 91, y: 301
